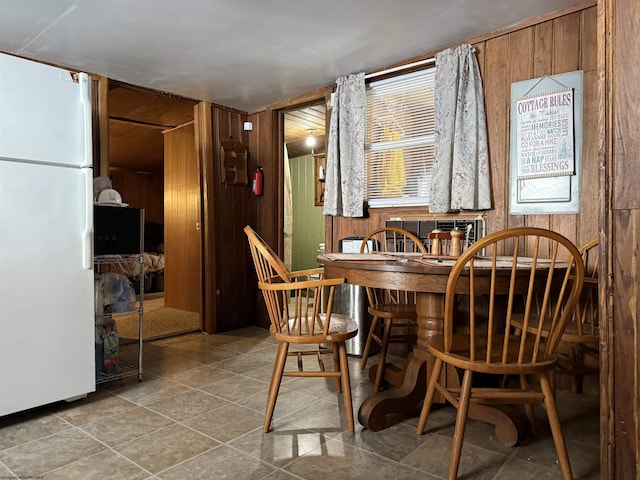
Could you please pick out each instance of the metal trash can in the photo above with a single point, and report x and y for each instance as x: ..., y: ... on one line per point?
x: 352, y: 300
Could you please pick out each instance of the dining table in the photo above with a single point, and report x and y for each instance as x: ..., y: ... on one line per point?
x: 427, y: 276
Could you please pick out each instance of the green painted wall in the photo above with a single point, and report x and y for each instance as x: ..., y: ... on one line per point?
x: 308, y: 221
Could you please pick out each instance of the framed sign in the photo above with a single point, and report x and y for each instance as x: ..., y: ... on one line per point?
x: 544, y: 134
x: 546, y: 140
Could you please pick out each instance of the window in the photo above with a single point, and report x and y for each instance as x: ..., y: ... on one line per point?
x: 399, y: 139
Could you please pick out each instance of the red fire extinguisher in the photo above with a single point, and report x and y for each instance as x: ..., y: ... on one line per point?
x: 257, y: 180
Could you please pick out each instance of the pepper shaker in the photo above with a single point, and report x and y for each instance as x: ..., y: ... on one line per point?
x: 456, y: 243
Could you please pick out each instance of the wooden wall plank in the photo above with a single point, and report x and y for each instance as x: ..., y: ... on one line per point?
x: 566, y: 55
x: 520, y: 58
x: 626, y: 400
x: 542, y: 65
x: 590, y: 188
x: 627, y: 88
x: 103, y: 128
x: 566, y: 41
x: 543, y: 53
x: 589, y: 40
x: 587, y: 220
x: 497, y: 101
x: 261, y: 148
x: 141, y: 190
x: 260, y: 145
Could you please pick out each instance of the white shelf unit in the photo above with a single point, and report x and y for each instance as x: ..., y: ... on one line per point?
x: 119, y: 248
x: 129, y: 349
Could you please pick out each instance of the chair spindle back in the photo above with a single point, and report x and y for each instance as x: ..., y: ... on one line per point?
x: 537, y: 276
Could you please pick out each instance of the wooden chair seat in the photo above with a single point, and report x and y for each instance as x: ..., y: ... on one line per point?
x: 483, y: 342
x: 392, y: 310
x: 300, y: 311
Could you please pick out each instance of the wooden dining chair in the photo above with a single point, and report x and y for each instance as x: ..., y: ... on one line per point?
x: 483, y: 342
x: 578, y: 349
x: 581, y: 337
x: 300, y: 311
x: 393, y: 311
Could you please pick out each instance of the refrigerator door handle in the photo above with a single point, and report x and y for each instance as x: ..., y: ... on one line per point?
x: 85, y: 99
x: 87, y: 237
x: 86, y: 167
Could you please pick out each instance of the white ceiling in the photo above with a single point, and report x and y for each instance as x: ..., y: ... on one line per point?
x: 246, y: 54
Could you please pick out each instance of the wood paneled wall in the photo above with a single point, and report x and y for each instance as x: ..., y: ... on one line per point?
x: 228, y: 209
x: 558, y: 45
x: 268, y: 207
x: 141, y: 190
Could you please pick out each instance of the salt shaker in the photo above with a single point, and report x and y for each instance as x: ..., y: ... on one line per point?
x: 435, y: 242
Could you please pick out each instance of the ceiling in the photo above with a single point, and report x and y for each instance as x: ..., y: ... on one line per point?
x: 137, y: 119
x: 301, y: 123
x: 251, y: 53
x: 242, y: 54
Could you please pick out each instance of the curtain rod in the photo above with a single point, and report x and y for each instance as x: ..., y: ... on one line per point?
x: 401, y: 67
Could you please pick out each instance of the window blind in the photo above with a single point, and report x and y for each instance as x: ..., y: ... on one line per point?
x: 399, y: 139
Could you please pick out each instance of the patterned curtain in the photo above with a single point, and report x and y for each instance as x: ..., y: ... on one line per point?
x: 461, y: 165
x: 345, y: 187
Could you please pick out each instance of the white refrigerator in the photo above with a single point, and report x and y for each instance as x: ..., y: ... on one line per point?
x: 46, y: 235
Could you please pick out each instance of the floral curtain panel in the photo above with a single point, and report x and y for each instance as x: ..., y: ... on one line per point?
x: 461, y: 178
x: 345, y: 187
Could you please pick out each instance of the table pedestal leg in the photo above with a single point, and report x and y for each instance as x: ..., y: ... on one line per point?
x: 405, y: 398
x: 409, y: 385
x: 393, y: 375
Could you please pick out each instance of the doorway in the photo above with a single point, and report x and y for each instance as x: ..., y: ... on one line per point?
x: 304, y: 154
x: 137, y: 119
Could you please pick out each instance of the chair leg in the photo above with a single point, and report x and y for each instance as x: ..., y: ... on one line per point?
x: 346, y: 387
x: 274, y: 385
x: 556, y: 428
x: 367, y: 346
x: 434, y: 376
x: 336, y: 365
x: 577, y: 378
x: 461, y: 422
x: 528, y: 408
x: 383, y: 354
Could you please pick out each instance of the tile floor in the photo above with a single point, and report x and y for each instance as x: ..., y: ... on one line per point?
x: 198, y: 412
